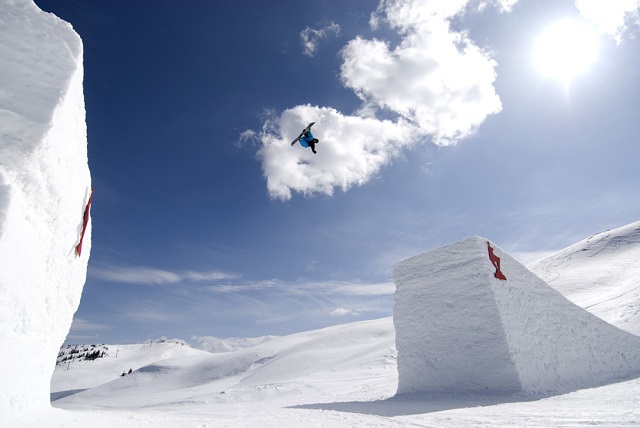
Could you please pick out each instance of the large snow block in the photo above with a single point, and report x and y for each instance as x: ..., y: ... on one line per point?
x: 44, y: 188
x: 461, y: 329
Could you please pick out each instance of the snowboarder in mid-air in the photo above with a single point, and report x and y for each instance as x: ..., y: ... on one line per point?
x: 306, y: 138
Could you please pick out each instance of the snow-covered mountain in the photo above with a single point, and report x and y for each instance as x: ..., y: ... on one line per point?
x: 334, y: 358
x: 75, y: 372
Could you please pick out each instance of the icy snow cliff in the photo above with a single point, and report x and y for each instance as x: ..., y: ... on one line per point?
x: 460, y: 329
x: 44, y: 188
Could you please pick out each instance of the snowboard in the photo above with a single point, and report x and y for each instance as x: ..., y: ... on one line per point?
x: 304, y: 131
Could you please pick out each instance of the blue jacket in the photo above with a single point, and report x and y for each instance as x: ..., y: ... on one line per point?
x: 305, y: 139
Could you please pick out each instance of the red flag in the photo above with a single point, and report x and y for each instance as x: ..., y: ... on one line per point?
x: 85, y: 220
x: 496, y: 263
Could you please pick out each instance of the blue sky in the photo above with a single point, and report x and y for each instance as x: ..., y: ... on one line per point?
x: 434, y: 122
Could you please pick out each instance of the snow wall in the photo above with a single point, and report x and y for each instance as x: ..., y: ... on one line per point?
x: 44, y: 188
x: 460, y: 329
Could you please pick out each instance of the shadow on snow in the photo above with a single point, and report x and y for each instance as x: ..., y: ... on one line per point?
x: 421, y: 403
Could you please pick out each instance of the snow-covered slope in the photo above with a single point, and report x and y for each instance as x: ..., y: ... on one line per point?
x: 460, y: 329
x: 357, y: 390
x: 44, y: 188
x: 72, y: 377
x: 289, y: 365
x: 600, y: 274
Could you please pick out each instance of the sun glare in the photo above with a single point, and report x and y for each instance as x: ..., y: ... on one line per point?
x: 565, y: 49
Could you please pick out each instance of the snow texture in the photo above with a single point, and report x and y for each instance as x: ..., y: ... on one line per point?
x: 44, y: 187
x: 459, y: 329
x: 601, y: 274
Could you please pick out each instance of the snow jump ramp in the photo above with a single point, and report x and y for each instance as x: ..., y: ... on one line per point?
x: 460, y: 328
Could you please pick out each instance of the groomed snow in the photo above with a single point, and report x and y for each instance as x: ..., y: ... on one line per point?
x: 601, y: 274
x: 342, y: 376
x: 273, y: 369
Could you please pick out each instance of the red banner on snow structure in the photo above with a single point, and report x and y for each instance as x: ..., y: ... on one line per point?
x: 496, y: 263
x: 85, y: 220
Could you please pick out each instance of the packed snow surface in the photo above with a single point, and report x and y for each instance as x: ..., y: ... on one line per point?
x: 461, y: 329
x: 601, y: 274
x: 44, y: 187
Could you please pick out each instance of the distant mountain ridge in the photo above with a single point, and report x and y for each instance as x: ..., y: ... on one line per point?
x: 72, y: 353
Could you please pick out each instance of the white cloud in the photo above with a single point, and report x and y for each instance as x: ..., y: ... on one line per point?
x: 350, y: 151
x: 243, y: 287
x: 611, y: 17
x: 216, y: 344
x: 310, y: 37
x: 134, y: 275
x: 344, y: 288
x: 208, y: 276
x: 150, y: 275
x: 80, y: 325
x: 436, y: 78
x: 247, y: 137
x: 341, y: 312
x: 356, y: 289
x: 436, y: 84
x: 502, y: 5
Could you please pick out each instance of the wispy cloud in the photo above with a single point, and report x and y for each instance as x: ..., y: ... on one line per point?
x: 310, y: 37
x: 81, y: 325
x: 227, y: 308
x: 247, y: 137
x: 357, y: 289
x: 153, y: 276
x: 435, y: 85
x: 329, y: 287
x: 208, y: 276
x: 85, y: 330
x: 242, y: 287
x: 149, y: 315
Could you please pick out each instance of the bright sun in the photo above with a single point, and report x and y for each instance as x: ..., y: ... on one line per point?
x: 565, y: 49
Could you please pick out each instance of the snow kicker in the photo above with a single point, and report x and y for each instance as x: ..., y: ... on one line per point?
x: 460, y: 327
